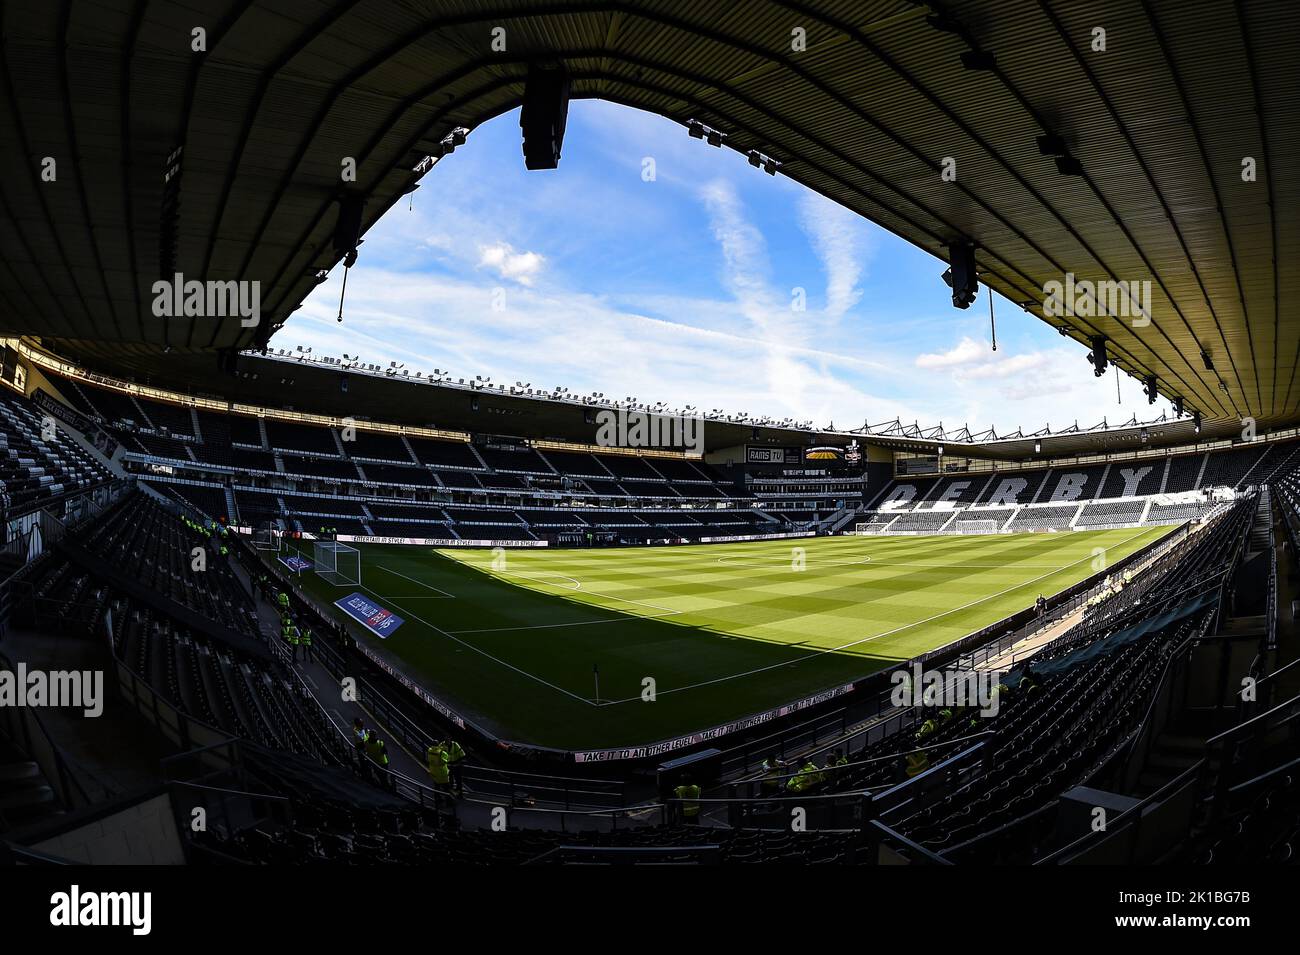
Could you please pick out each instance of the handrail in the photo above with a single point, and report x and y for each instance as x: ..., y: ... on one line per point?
x: 1249, y: 726
x: 568, y: 779
x: 1128, y: 816
x: 870, y: 759
x: 273, y: 797
x: 421, y: 791
x: 70, y: 772
x: 885, y: 833
x: 1278, y: 672
x: 608, y: 811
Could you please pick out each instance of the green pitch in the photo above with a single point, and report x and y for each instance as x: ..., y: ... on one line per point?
x: 510, y: 638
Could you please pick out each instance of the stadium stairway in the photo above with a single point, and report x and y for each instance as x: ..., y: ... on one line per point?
x: 841, y: 518
x: 26, y: 796
x: 112, y: 754
x: 379, y: 840
x: 326, y: 690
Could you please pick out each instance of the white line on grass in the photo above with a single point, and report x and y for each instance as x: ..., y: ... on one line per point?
x: 537, y: 574
x: 548, y: 626
x: 444, y: 593
x: 781, y: 558
x: 667, y: 611
x: 479, y: 650
x: 916, y: 623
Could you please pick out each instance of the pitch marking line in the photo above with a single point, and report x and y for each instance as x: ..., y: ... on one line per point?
x: 443, y: 595
x: 887, y: 633
x: 667, y: 611
x: 480, y: 650
x: 547, y: 626
x: 781, y: 558
x: 538, y: 574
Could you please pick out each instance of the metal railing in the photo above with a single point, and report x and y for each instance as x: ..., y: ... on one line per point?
x: 1122, y: 842
x: 522, y: 789
x: 75, y: 786
x: 1270, y: 600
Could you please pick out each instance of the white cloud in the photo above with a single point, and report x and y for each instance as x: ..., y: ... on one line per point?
x: 966, y: 352
x: 837, y: 236
x: 592, y: 304
x: 501, y: 257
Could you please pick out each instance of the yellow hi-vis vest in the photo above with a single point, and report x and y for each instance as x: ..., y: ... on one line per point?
x: 917, y: 763
x: 689, y: 796
x: 438, y: 761
x: 807, y: 778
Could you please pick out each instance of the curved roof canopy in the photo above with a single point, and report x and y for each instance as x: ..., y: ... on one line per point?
x: 1166, y: 157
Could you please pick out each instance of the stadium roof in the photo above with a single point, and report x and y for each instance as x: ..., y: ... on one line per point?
x: 301, y: 383
x: 1160, y: 124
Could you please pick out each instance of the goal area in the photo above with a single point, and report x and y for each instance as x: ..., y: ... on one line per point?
x: 869, y: 527
x: 975, y: 527
x: 337, y: 563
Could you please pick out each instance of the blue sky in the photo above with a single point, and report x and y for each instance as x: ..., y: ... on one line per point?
x: 680, y: 289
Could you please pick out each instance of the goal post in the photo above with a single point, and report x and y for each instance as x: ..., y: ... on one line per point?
x: 975, y: 527
x: 865, y: 528
x: 337, y: 563
x: 266, y: 536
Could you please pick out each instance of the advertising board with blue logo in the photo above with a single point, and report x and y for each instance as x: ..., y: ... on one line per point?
x: 381, y: 622
x: 295, y: 563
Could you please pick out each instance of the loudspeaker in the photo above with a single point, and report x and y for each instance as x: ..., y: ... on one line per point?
x: 1098, y: 355
x: 961, y: 275
x: 546, y: 108
x: 347, y: 229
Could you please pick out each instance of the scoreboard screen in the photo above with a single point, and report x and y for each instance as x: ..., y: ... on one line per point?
x: 769, y: 455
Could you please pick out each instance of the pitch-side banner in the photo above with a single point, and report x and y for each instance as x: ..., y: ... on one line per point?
x: 664, y: 747
x: 381, y: 622
x: 295, y: 563
x: 756, y: 537
x: 436, y: 541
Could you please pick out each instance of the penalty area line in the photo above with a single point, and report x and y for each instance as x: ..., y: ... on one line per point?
x: 479, y: 650
x: 543, y: 626
x: 577, y: 585
x: 443, y: 594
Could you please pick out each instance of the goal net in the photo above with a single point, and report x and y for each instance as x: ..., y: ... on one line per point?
x: 975, y: 527
x: 266, y: 536
x: 337, y: 563
x: 869, y: 527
